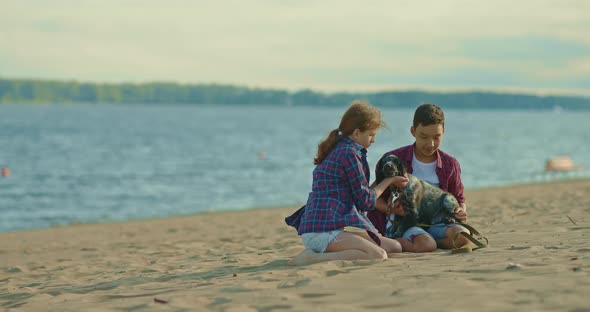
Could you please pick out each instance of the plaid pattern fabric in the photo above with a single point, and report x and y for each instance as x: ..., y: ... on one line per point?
x: 447, y: 169
x: 340, y: 192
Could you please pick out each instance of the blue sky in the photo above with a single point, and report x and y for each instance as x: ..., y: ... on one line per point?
x: 534, y: 46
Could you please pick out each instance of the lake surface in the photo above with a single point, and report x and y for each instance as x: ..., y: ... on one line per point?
x: 95, y: 163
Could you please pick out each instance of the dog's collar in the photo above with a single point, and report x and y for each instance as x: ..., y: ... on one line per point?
x: 394, y: 196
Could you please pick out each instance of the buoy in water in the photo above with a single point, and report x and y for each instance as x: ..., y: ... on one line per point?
x: 5, y: 172
x: 561, y: 163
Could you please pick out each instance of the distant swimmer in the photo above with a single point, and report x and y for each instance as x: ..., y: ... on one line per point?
x: 561, y: 163
x: 5, y: 172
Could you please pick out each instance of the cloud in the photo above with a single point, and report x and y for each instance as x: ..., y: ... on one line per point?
x: 293, y: 44
x: 550, y: 51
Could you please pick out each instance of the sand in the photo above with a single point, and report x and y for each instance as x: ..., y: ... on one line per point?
x: 538, y: 260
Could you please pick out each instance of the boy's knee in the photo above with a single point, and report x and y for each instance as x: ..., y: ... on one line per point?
x: 430, y: 247
x: 451, y: 231
x: 460, y: 241
x: 424, y: 243
x: 455, y: 238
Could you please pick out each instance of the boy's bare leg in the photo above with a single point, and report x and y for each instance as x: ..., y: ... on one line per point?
x: 450, y: 232
x: 420, y: 243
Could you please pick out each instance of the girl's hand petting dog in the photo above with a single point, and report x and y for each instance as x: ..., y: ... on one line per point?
x: 399, y: 181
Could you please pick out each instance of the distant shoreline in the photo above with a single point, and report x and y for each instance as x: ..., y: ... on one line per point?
x: 36, y: 91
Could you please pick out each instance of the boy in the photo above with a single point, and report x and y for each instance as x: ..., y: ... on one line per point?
x: 424, y: 160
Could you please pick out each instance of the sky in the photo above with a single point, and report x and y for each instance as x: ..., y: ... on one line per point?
x: 531, y: 46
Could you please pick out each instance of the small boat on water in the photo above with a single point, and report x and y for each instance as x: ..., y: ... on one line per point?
x: 561, y: 163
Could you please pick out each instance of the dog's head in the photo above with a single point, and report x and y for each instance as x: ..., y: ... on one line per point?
x: 391, y: 166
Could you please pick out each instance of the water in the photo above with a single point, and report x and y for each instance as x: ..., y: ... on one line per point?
x: 83, y: 163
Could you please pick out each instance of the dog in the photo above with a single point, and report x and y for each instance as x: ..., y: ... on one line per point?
x: 422, y: 202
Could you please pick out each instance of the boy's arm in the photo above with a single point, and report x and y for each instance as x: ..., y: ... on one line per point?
x: 456, y: 188
x: 455, y: 185
x: 461, y: 213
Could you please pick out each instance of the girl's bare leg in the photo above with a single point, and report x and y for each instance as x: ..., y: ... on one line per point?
x: 347, y: 246
x: 390, y: 245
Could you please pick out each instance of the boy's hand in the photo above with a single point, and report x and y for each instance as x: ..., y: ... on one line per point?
x: 461, y: 214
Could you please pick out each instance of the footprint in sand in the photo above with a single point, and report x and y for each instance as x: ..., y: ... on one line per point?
x: 314, y: 295
x: 13, y: 270
x: 294, y: 284
x: 219, y: 301
x: 518, y: 247
x: 14, y: 300
x: 275, y: 307
x: 236, y: 290
x: 335, y: 272
x: 378, y: 307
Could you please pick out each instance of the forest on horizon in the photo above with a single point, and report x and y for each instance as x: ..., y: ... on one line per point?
x: 15, y: 91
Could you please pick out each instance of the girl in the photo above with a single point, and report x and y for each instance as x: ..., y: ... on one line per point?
x: 341, y: 194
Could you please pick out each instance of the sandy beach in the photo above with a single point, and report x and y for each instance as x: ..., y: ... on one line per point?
x: 538, y: 260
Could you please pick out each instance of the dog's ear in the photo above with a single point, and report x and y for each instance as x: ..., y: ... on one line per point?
x: 380, y: 174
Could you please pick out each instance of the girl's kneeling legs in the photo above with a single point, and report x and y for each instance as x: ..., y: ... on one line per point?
x: 350, y: 246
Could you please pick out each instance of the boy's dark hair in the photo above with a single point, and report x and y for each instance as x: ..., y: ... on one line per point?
x: 428, y: 114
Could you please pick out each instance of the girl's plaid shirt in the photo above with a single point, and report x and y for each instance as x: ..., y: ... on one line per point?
x: 340, y: 193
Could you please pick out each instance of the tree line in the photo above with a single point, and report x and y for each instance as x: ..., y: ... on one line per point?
x: 57, y: 92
